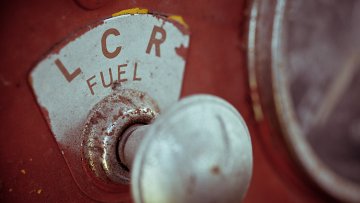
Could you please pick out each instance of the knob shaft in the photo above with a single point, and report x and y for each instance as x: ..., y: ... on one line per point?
x: 198, y: 151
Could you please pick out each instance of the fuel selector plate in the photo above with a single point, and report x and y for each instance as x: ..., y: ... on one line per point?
x: 138, y: 51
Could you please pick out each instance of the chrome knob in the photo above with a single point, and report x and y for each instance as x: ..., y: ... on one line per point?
x: 198, y: 151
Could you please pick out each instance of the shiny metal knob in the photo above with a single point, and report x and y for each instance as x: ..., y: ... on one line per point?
x: 198, y: 151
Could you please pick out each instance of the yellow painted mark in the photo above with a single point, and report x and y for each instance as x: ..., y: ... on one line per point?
x: 39, y: 191
x: 23, y: 171
x: 131, y: 11
x: 179, y: 19
x: 259, y: 116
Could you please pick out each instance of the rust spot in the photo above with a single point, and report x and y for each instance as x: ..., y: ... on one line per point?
x: 181, y: 51
x: 125, y: 100
x: 98, y: 116
x: 215, y: 170
x: 115, y: 85
x: 137, y: 111
x: 142, y: 96
x: 120, y: 114
x: 115, y: 117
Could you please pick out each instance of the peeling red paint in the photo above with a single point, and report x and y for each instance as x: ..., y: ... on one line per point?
x: 158, y: 15
x: 165, y: 18
x: 181, y: 51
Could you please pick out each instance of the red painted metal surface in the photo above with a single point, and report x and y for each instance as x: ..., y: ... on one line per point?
x: 33, y: 169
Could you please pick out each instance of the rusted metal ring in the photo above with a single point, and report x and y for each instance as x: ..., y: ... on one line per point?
x: 104, y: 127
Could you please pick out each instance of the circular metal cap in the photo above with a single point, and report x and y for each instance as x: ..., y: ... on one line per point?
x: 198, y: 151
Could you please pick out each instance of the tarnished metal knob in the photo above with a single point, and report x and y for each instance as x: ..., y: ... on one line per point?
x: 198, y: 151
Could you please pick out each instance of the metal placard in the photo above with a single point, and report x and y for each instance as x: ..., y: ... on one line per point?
x: 143, y: 52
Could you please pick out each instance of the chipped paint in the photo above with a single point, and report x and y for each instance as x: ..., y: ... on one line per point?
x: 181, y: 51
x: 179, y: 19
x: 131, y: 11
